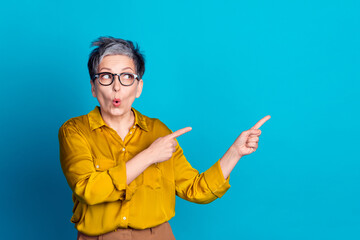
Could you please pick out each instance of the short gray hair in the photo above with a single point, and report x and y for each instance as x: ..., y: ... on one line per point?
x: 115, y: 46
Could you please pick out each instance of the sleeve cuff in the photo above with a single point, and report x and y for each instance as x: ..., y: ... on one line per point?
x: 118, y: 176
x: 215, y: 180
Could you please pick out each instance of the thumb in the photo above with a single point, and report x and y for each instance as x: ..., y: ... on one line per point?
x: 242, y: 138
x: 251, y: 132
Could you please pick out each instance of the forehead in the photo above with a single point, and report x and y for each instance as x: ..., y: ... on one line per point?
x: 117, y: 62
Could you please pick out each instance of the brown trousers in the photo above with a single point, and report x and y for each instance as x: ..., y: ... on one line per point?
x: 161, y: 232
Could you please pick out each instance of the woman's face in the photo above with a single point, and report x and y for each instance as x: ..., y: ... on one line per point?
x: 116, y: 99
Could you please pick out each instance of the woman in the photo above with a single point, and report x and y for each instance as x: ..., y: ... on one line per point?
x: 125, y: 168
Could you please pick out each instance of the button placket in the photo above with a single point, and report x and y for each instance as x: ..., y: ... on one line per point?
x: 130, y: 135
x: 116, y: 136
x: 132, y: 129
x: 124, y: 213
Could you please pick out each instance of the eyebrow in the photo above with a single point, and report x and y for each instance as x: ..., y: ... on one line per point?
x: 105, y: 68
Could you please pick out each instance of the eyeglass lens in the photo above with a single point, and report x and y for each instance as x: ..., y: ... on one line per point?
x: 125, y: 78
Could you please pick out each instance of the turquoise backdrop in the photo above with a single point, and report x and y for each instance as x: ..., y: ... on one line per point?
x: 218, y: 66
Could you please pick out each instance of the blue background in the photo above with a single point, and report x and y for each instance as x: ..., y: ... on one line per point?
x: 216, y: 66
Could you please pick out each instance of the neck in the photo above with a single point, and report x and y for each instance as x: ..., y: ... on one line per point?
x: 121, y: 124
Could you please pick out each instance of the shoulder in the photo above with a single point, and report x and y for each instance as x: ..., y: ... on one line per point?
x: 153, y: 125
x: 75, y: 125
x: 159, y: 127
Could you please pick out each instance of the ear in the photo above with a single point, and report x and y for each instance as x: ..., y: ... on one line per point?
x: 139, y: 88
x: 93, y: 88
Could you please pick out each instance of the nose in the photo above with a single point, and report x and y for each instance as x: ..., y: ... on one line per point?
x: 116, y: 83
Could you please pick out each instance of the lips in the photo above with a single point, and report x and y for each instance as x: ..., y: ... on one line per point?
x: 116, y: 102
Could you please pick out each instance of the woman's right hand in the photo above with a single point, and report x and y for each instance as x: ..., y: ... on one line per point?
x: 163, y: 148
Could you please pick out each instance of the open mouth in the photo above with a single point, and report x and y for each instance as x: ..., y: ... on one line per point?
x: 116, y: 102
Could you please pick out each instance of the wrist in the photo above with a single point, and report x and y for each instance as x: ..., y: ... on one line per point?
x: 234, y: 152
x: 229, y: 160
x: 231, y: 155
x: 147, y: 153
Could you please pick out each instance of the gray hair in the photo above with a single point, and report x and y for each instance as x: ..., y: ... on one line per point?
x: 115, y: 46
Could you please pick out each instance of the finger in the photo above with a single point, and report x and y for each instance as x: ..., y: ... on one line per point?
x: 251, y: 145
x: 255, y: 135
x: 252, y: 132
x: 261, y: 122
x: 179, y: 132
x: 253, y: 139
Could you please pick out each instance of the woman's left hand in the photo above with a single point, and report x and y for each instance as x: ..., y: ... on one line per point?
x: 247, y: 142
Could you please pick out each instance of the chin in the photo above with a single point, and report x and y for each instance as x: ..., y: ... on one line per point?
x: 118, y: 111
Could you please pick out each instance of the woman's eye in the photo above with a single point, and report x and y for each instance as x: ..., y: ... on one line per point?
x: 128, y: 76
x: 106, y: 76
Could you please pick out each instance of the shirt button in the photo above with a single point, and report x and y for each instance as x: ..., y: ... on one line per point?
x: 133, y: 126
x: 97, y: 166
x: 123, y: 149
x: 124, y: 218
x: 130, y: 132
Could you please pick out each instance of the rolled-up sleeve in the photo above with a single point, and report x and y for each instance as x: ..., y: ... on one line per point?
x: 90, y: 183
x: 216, y: 181
x: 196, y: 187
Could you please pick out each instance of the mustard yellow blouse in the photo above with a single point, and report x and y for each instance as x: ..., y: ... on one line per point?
x: 93, y: 158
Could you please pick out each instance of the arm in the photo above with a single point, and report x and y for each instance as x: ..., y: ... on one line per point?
x: 198, y: 187
x: 110, y: 183
x: 160, y: 150
x: 190, y: 185
x: 89, y: 185
x: 245, y: 144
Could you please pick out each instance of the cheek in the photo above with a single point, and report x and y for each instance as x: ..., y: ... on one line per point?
x: 131, y: 95
x: 101, y: 94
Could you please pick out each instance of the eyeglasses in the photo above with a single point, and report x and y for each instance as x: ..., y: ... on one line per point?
x: 106, y: 78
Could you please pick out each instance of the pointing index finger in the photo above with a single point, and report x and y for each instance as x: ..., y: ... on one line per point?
x: 179, y: 132
x: 261, y: 122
